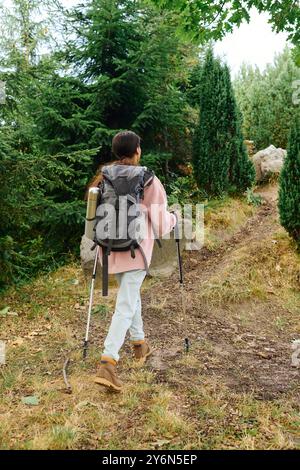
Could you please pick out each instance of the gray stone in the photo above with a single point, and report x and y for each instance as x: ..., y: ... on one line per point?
x: 268, y: 162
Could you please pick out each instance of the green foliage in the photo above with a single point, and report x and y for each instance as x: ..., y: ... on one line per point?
x: 241, y: 169
x: 60, y: 113
x: 266, y: 101
x: 210, y: 157
x: 133, y: 66
x: 159, y: 163
x: 204, y: 20
x: 296, y: 55
x: 289, y: 192
x: 183, y: 190
x: 121, y: 66
x: 220, y: 159
x: 254, y: 199
x: 42, y: 211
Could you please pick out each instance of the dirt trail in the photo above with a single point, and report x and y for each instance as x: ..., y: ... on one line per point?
x: 213, y: 397
x: 246, y: 357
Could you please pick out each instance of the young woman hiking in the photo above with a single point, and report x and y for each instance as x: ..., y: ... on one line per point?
x: 130, y: 271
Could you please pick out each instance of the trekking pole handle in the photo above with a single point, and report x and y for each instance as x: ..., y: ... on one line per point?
x: 176, y: 229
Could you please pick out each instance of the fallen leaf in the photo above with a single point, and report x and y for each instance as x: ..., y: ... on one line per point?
x: 31, y: 400
x: 4, y: 311
x: 13, y: 314
x: 160, y: 442
x: 33, y: 334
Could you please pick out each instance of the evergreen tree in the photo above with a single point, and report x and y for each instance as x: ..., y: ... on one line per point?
x: 41, y: 196
x: 211, y: 158
x: 251, y: 92
x: 265, y: 100
x: 241, y: 169
x: 60, y: 112
x: 134, y: 68
x: 289, y: 192
x: 122, y: 66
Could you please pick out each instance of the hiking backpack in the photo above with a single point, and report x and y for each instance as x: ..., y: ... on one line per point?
x: 121, y: 191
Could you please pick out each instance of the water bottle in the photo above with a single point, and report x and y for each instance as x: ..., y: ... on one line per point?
x: 91, y: 212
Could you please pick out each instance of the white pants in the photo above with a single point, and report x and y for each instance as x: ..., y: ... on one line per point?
x: 128, y: 313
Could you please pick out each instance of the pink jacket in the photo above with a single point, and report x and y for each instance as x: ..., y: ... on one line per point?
x: 155, y: 204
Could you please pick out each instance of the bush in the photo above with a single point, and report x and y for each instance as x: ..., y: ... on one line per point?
x: 289, y: 192
x: 42, y: 212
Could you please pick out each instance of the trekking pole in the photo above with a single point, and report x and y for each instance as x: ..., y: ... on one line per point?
x: 86, y: 340
x: 177, y: 241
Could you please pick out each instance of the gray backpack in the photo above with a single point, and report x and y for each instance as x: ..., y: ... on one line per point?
x: 117, y: 220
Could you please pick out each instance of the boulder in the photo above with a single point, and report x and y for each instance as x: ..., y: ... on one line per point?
x: 268, y: 162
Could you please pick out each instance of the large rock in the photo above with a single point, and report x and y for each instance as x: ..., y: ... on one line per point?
x: 164, y: 260
x: 268, y: 162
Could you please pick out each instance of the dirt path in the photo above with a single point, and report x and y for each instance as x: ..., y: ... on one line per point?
x: 247, y: 358
x: 235, y: 389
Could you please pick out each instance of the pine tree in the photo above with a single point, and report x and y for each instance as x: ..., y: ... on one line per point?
x: 133, y: 68
x: 121, y: 66
x: 265, y: 99
x: 41, y: 195
x: 211, y: 160
x: 289, y: 192
x: 241, y: 169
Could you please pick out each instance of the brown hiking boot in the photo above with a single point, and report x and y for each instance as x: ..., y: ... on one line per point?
x: 142, y: 350
x: 107, y: 376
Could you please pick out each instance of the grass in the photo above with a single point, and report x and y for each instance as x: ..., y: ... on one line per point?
x: 163, y: 420
x: 232, y: 421
x: 265, y: 267
x: 189, y: 409
x: 223, y: 218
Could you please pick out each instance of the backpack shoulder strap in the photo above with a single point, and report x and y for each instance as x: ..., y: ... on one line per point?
x: 145, y: 179
x: 148, y: 176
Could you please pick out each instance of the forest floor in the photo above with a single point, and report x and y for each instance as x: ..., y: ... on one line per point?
x: 235, y: 389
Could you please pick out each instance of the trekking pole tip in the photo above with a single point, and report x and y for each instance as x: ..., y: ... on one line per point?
x: 187, y: 345
x: 85, y: 348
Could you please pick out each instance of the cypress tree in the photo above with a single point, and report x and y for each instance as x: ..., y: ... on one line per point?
x: 264, y: 98
x: 210, y: 154
x: 241, y: 169
x: 289, y: 186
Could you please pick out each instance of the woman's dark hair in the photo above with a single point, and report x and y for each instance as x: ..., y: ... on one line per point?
x: 124, y: 144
